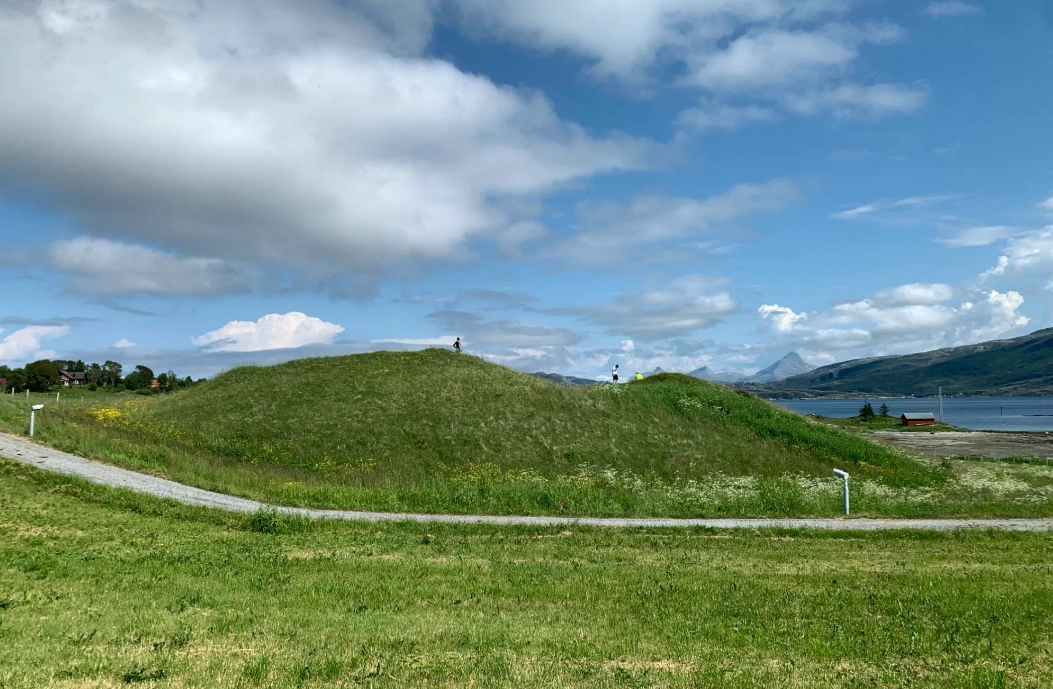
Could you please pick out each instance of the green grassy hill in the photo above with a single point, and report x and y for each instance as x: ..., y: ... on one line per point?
x: 423, y: 414
x: 438, y: 431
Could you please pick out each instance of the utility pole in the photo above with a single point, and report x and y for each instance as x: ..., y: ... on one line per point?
x: 941, y: 404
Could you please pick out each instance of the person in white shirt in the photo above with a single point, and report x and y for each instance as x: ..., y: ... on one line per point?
x: 614, y: 373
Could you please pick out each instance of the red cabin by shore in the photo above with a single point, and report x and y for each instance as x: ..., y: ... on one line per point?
x: 918, y: 419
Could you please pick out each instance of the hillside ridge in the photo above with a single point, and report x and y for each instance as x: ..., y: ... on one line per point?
x: 1017, y: 366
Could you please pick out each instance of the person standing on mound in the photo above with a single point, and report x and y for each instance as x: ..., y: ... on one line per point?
x: 614, y: 374
x: 457, y: 345
x: 639, y: 376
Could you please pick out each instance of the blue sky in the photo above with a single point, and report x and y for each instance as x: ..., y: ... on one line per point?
x: 563, y: 185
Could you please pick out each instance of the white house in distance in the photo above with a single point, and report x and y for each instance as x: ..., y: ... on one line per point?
x: 72, y: 379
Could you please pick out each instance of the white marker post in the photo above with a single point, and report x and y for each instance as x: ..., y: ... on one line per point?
x: 33, y: 418
x: 843, y: 475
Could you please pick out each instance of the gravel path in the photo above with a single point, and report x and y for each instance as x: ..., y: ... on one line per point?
x: 27, y: 452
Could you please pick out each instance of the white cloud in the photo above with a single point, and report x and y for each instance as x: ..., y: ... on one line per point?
x: 1047, y: 205
x: 855, y: 212
x: 103, y: 266
x: 773, y: 58
x: 297, y: 134
x: 1028, y: 254
x: 273, y: 331
x: 124, y: 343
x: 900, y: 205
x: 683, y: 306
x: 611, y: 232
x: 914, y: 294
x: 24, y: 345
x: 715, y: 115
x: 951, y: 8
x: 977, y: 236
x: 797, y: 54
x: 783, y: 318
x: 854, y: 100
x: 900, y: 319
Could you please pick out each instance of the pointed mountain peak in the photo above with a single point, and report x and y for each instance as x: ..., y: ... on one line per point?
x: 790, y: 365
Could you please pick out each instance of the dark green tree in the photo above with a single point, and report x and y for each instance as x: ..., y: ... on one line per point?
x: 16, y: 379
x: 42, y: 375
x: 94, y: 373
x: 112, y: 373
x: 866, y: 412
x: 163, y: 382
x: 139, y: 379
x: 883, y: 410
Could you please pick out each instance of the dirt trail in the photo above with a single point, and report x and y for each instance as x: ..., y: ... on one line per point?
x: 24, y: 451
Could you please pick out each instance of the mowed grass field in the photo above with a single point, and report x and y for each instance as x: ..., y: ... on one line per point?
x: 434, y: 431
x: 100, y: 588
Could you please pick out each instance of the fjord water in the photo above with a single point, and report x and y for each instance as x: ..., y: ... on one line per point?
x: 975, y: 413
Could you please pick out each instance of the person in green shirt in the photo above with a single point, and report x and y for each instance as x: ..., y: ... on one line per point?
x: 639, y: 376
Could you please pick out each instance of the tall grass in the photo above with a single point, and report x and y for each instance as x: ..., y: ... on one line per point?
x: 99, y: 588
x: 439, y: 432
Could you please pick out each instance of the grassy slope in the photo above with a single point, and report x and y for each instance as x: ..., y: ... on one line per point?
x: 103, y: 588
x: 437, y: 432
x: 417, y: 414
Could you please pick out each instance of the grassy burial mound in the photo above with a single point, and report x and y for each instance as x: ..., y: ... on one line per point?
x: 438, y: 431
x: 421, y: 414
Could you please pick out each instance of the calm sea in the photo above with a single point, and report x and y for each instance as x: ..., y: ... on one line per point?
x: 976, y: 413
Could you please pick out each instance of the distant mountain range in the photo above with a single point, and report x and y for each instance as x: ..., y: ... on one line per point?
x: 565, y: 381
x: 706, y: 373
x: 790, y: 365
x: 1020, y: 366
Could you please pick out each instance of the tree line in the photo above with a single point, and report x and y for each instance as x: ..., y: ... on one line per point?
x: 43, y: 375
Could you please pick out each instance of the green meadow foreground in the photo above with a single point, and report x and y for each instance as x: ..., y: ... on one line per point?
x: 434, y: 431
x: 103, y: 588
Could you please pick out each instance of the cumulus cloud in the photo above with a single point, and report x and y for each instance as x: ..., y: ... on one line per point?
x: 273, y: 331
x: 779, y: 57
x: 904, y: 318
x: 782, y: 318
x: 951, y: 8
x: 25, y: 344
x: 977, y: 236
x: 685, y: 305
x: 304, y: 135
x: 102, y: 266
x: 1027, y: 254
x: 1047, y: 205
x: 609, y: 231
x: 793, y: 55
x: 124, y: 343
